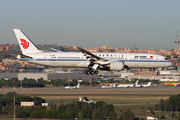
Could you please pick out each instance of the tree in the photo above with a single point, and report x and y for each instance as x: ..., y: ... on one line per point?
x: 68, y: 109
x: 40, y: 79
x: 51, y: 114
x: 128, y: 115
x: 161, y: 104
x: 36, y: 114
x: 110, y: 108
x: 173, y: 115
x: 166, y: 105
x: 19, y: 99
x: 97, y: 114
x: 178, y: 117
x: 10, y: 94
x: 38, y: 100
x: 112, y: 115
x: 62, y: 102
x: 24, y: 114
x: 80, y: 115
x: 172, y: 104
x: 89, y: 115
x: 55, y: 106
x: 120, y: 118
x: 177, y: 101
x: 52, y: 106
x: 162, y: 117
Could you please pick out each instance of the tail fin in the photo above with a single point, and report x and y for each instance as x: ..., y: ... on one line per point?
x: 80, y: 99
x: 26, y: 45
x: 149, y: 83
x: 135, y: 84
x: 78, y: 85
x: 86, y: 98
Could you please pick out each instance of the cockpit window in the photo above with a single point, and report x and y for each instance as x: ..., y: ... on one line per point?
x: 167, y: 57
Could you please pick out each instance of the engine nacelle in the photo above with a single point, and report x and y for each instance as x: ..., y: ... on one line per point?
x: 116, y: 66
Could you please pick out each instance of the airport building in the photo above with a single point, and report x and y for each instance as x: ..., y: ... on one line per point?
x: 48, y: 76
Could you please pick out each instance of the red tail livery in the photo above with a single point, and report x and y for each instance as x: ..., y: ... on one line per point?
x: 24, y: 43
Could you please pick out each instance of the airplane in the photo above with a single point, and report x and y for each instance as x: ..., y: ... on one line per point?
x: 87, y: 100
x: 127, y: 85
x: 144, y: 85
x: 72, y: 87
x: 111, y: 86
x: 171, y: 84
x: 84, y: 59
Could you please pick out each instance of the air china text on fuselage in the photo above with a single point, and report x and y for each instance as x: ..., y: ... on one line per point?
x: 85, y: 59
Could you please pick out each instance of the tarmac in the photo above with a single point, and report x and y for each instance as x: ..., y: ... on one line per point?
x: 96, y: 91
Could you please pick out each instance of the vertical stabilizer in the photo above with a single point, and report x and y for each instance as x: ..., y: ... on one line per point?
x: 114, y: 85
x: 149, y: 83
x: 26, y: 45
x: 135, y: 84
x: 80, y: 99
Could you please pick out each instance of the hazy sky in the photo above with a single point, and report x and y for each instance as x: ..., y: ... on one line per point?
x: 92, y: 23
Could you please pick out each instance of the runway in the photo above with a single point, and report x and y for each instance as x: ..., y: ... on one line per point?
x: 96, y: 91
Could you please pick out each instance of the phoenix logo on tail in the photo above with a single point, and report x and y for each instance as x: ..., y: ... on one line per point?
x: 24, y: 43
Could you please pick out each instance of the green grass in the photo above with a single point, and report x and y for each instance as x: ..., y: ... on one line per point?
x: 107, y: 99
x: 141, y: 111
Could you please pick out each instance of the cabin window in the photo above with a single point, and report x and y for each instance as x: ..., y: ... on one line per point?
x: 136, y: 57
x: 142, y: 57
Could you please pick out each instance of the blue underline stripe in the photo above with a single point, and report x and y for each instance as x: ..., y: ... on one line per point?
x: 123, y: 60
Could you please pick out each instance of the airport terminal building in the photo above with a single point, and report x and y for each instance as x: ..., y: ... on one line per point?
x: 48, y: 76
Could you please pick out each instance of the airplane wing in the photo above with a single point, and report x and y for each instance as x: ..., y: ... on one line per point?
x: 98, y: 62
x: 90, y: 56
x: 55, y: 50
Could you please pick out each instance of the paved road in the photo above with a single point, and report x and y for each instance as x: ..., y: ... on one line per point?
x: 115, y: 95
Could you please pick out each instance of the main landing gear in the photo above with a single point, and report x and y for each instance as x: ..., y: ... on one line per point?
x: 92, y: 72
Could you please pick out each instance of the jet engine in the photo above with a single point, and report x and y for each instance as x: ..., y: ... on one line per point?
x: 116, y: 66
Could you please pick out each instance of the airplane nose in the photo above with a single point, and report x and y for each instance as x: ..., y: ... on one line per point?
x: 169, y: 63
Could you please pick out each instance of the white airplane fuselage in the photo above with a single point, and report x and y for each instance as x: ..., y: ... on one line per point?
x: 77, y: 59
x: 125, y: 85
x: 85, y: 59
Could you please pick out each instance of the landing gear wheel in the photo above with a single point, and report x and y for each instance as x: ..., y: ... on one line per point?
x: 158, y: 73
x: 96, y: 72
x: 87, y: 72
x: 92, y: 72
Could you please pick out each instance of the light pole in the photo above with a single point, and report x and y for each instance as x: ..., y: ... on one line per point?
x: 14, y: 105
